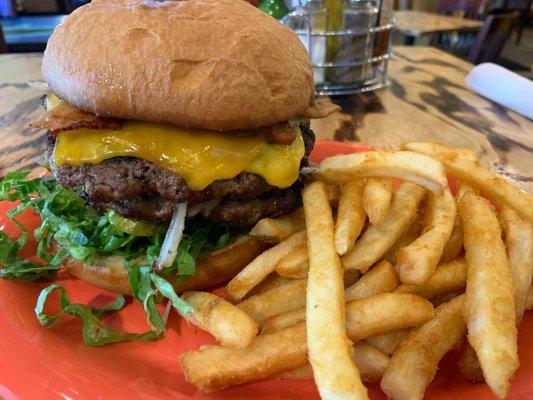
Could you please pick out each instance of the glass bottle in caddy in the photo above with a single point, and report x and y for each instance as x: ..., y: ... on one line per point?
x: 308, y: 18
x: 274, y: 8
x: 357, y: 16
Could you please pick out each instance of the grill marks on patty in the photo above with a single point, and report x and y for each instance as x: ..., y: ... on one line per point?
x: 139, y: 189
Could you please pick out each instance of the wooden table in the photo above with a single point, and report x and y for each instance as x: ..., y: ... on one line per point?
x: 415, y: 24
x: 427, y: 100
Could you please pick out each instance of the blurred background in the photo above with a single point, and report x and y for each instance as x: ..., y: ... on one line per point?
x: 500, y: 31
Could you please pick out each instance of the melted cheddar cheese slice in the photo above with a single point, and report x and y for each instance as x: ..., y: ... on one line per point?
x: 199, y: 156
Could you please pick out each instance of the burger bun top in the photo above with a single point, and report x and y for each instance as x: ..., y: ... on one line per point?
x: 211, y: 64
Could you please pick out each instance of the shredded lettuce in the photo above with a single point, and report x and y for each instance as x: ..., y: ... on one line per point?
x: 94, y: 331
x: 17, y: 268
x: 83, y: 233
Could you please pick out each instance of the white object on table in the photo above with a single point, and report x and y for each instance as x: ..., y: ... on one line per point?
x: 503, y: 87
x: 318, y: 53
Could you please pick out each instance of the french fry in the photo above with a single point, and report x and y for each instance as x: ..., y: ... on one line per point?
x: 385, y: 312
x: 519, y: 243
x: 215, y: 367
x: 295, y: 265
x: 417, y: 261
x: 445, y: 298
x: 335, y: 374
x: 281, y: 355
x: 231, y: 326
x: 413, y: 312
x: 350, y: 277
x: 274, y: 280
x: 351, y: 216
x: 377, y: 239
x: 333, y: 195
x: 275, y: 230
x: 380, y: 279
x: 304, y: 372
x: 450, y: 277
x: 439, y: 150
x: 270, y: 282
x: 294, y: 290
x: 409, y: 166
x: 462, y: 188
x: 262, y: 266
x: 370, y: 362
x: 453, y: 247
x: 414, y: 363
x: 282, y: 321
x: 498, y: 189
x: 406, y: 239
x: 519, y: 237
x: 489, y: 303
x: 377, y: 195
x: 279, y: 300
x: 469, y: 365
x: 388, y: 342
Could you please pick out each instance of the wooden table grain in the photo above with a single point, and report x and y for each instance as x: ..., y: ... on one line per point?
x: 417, y: 23
x: 427, y: 100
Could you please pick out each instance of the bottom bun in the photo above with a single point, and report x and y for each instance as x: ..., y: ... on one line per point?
x: 213, y: 268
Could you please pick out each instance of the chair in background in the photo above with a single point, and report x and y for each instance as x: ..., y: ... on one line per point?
x: 3, y: 45
x: 473, y: 9
x: 516, y: 5
x: 492, y: 37
x: 459, y: 43
x: 524, y: 8
x: 67, y: 6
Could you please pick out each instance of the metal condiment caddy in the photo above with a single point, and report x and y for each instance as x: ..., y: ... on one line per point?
x: 352, y: 69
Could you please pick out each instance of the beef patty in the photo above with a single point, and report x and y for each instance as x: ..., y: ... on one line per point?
x: 139, y: 189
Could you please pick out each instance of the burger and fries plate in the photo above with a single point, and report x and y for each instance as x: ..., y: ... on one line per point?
x: 53, y: 363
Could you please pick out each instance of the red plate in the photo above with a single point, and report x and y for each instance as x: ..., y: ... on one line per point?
x: 40, y: 363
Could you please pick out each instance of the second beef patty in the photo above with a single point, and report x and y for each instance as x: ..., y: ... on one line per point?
x: 139, y: 189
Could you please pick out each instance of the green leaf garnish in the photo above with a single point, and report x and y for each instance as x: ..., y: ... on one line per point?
x: 16, y: 268
x: 167, y: 291
x: 83, y: 234
x: 95, y: 332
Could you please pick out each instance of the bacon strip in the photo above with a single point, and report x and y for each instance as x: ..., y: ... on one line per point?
x: 65, y: 117
x: 280, y: 133
x: 320, y: 109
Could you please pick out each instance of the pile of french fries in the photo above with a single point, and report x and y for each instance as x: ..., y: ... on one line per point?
x: 380, y: 274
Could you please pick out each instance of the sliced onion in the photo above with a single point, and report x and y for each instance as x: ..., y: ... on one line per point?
x: 169, y: 249
x: 294, y: 122
x: 41, y: 85
x: 308, y: 170
x: 167, y: 311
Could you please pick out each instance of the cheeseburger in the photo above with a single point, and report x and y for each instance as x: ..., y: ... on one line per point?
x: 173, y: 127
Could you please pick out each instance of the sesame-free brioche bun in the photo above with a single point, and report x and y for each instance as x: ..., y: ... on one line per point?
x: 212, y: 64
x: 213, y: 268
